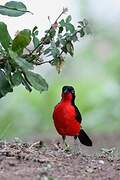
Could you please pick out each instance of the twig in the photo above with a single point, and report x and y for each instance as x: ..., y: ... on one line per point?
x: 44, y: 62
x: 28, y: 50
x: 59, y: 16
x: 36, y: 144
x: 35, y: 49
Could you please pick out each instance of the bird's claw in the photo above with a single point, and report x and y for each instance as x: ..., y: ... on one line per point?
x: 67, y: 148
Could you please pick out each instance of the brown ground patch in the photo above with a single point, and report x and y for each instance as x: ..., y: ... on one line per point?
x: 28, y: 161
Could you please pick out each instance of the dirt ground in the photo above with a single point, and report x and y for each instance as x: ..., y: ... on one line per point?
x: 44, y: 160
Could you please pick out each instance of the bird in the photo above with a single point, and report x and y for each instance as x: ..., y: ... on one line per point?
x: 67, y: 118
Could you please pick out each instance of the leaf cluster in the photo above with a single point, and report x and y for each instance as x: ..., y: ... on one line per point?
x: 17, y: 61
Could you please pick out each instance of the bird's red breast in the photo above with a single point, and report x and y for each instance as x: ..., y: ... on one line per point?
x: 64, y: 116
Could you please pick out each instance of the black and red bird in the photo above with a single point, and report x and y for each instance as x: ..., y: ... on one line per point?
x: 67, y: 117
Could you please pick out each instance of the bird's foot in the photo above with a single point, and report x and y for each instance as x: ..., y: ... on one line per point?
x: 67, y: 148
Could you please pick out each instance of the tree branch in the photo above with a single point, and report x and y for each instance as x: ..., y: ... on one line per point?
x: 44, y: 62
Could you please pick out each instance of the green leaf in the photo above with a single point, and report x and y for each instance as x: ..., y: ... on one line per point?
x: 36, y: 33
x: 5, y: 86
x: 57, y: 43
x: 4, y: 36
x: 12, y: 54
x: 68, y: 19
x: 16, y: 78
x: 74, y: 38
x: 22, y: 39
x: 52, y: 32
x: 70, y: 48
x: 70, y: 27
x: 36, y: 81
x: 47, y: 51
x: 63, y: 41
x: 13, y: 9
x: 7, y: 70
x: 36, y: 41
x: 81, y: 23
x: 23, y: 63
x: 82, y: 33
x: 55, y: 52
x: 34, y: 29
x: 62, y: 23
x: 60, y: 29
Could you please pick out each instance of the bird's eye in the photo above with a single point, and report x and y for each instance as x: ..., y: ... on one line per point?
x: 66, y: 90
x: 72, y: 91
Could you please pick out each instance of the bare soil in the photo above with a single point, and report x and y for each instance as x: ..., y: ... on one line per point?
x: 44, y: 160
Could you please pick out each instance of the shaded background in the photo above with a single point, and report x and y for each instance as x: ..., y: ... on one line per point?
x: 94, y: 71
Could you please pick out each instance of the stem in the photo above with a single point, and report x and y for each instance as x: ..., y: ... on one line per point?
x: 59, y: 16
x: 26, y: 78
x: 35, y: 49
x: 44, y: 62
x: 28, y: 50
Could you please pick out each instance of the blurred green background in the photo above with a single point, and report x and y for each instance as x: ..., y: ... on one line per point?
x: 94, y: 71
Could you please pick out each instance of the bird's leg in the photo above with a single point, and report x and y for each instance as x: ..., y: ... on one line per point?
x: 76, y: 145
x: 67, y: 147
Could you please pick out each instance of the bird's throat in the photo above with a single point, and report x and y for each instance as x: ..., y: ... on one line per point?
x: 67, y: 97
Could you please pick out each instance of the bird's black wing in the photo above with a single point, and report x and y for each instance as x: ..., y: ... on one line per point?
x: 78, y: 115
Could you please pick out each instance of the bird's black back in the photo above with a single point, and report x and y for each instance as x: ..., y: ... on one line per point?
x: 78, y: 114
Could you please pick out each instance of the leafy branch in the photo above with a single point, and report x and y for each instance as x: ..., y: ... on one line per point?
x: 17, y: 61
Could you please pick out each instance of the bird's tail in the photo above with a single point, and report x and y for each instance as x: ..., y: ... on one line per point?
x: 84, y: 139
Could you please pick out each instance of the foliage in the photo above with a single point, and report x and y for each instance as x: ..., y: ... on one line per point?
x: 17, y: 61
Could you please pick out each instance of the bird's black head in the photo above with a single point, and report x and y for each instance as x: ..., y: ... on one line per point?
x: 68, y: 90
